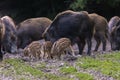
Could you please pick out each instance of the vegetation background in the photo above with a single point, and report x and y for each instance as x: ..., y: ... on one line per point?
x: 23, y: 9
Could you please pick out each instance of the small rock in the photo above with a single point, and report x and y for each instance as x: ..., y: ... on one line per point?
x: 61, y: 64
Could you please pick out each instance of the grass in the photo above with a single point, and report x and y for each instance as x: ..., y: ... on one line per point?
x: 84, y: 76
x: 68, y: 70
x: 88, y: 62
x: 108, y: 64
x: 40, y: 65
x: 56, y: 77
x: 23, y: 78
x: 19, y: 68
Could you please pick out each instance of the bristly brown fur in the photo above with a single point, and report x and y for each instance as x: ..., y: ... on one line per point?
x: 33, y: 50
x: 46, y: 49
x: 101, y: 30
x: 2, y: 30
x: 61, y: 46
x: 38, y: 50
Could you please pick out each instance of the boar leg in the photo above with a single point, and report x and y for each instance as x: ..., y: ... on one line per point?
x: 98, y: 41
x: 81, y: 45
x: 89, y: 43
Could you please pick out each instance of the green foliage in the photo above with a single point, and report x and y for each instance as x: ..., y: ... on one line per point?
x: 78, y: 4
x: 81, y: 4
x: 113, y: 3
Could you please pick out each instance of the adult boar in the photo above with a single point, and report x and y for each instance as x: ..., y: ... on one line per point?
x: 101, y: 30
x: 31, y: 30
x: 113, y: 22
x: 8, y: 36
x: 76, y: 26
x: 115, y: 37
x: 2, y: 33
